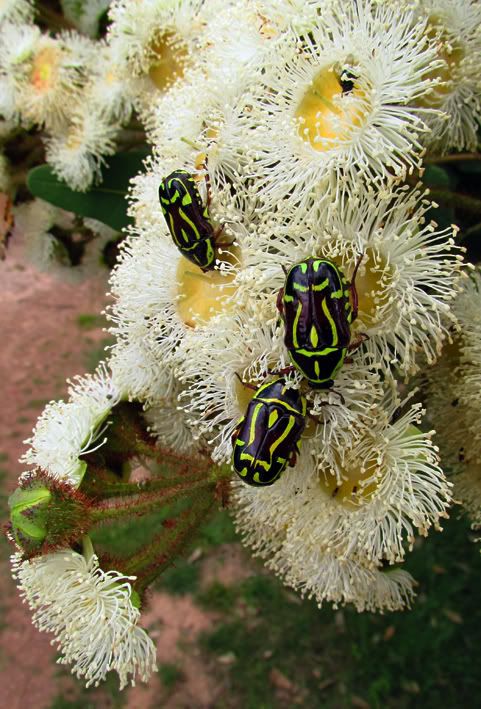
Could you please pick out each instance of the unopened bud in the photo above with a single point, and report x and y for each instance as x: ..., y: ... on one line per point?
x: 28, y: 515
x: 46, y: 514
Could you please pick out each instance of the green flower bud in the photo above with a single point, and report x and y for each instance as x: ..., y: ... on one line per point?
x: 28, y: 515
x: 46, y: 514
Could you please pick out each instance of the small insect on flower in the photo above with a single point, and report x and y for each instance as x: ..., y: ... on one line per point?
x: 188, y: 218
x: 266, y: 438
x: 316, y: 307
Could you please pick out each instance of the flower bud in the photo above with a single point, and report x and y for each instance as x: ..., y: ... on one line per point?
x: 28, y: 515
x: 46, y: 514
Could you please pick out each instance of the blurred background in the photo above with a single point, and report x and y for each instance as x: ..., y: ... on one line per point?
x: 228, y: 633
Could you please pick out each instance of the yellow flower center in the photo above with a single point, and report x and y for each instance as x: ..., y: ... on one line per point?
x: 244, y: 394
x: 372, y: 277
x: 450, y: 50
x: 203, y: 295
x: 328, y: 112
x: 358, y: 482
x: 44, y: 69
x: 169, y: 57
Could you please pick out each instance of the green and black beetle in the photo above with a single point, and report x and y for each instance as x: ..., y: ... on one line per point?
x: 266, y: 439
x: 188, y: 218
x: 318, y: 306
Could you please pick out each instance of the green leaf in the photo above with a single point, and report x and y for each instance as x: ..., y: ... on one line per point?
x: 105, y: 202
x: 435, y: 176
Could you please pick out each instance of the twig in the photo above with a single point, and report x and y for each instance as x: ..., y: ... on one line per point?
x: 457, y: 157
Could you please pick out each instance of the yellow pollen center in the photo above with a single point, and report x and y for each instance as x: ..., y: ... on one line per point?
x: 371, y: 280
x: 449, y: 49
x: 358, y: 482
x: 169, y: 57
x: 244, y: 394
x: 44, y: 69
x: 203, y: 295
x: 326, y: 114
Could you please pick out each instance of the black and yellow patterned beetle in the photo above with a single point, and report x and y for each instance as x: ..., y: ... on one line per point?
x: 316, y: 306
x: 188, y: 218
x: 266, y: 439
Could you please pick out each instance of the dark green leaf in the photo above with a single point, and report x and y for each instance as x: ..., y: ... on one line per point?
x: 105, y: 202
x: 436, y: 176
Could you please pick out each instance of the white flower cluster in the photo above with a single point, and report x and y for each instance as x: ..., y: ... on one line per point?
x: 453, y: 389
x: 416, y: 85
x: 49, y: 237
x: 301, y: 125
x: 90, y: 613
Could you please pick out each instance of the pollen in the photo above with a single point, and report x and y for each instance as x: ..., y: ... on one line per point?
x: 169, y: 57
x: 358, y: 482
x: 45, y: 69
x: 203, y: 295
x: 372, y: 282
x: 244, y: 394
x: 327, y: 113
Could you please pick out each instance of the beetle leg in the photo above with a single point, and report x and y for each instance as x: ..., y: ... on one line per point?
x: 280, y: 302
x: 246, y: 384
x: 217, y: 233
x: 293, y: 456
x: 280, y: 372
x: 362, y: 337
x: 352, y: 288
x: 234, y: 435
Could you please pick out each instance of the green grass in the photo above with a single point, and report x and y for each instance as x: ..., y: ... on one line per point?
x: 62, y: 703
x: 419, y: 658
x: 180, y: 578
x: 92, y: 697
x: 91, y: 321
x: 169, y: 675
x: 37, y: 403
x: 217, y: 597
x: 97, y: 354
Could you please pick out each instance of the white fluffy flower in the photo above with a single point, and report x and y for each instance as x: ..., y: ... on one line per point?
x: 34, y: 220
x: 455, y: 26
x: 16, y: 10
x: 340, y: 581
x: 85, y: 15
x: 154, y: 41
x: 76, y: 153
x: 247, y: 344
x: 366, y: 505
x: 338, y: 100
x: 91, y: 614
x: 65, y: 430
x: 46, y: 74
x: 160, y: 296
x: 408, y: 276
x: 453, y: 387
x: 106, y: 93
